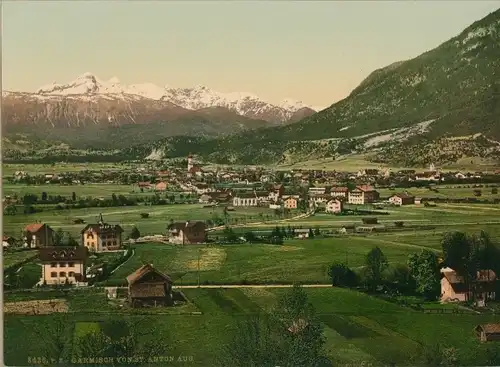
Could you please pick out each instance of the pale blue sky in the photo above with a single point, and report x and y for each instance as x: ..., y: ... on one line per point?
x: 312, y: 51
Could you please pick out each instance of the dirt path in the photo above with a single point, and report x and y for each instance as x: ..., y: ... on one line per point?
x: 123, y: 263
x: 253, y: 286
x: 373, y: 238
x: 243, y: 225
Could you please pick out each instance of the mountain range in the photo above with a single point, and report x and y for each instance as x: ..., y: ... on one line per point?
x: 440, y: 106
x: 88, y: 111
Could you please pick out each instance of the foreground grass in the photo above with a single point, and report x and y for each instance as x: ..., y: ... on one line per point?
x: 358, y: 328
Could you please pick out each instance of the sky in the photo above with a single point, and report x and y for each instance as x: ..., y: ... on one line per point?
x: 313, y: 51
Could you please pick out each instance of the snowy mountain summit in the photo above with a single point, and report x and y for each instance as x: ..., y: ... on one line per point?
x: 196, y: 98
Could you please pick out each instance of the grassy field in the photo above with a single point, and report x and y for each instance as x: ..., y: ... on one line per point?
x: 297, y: 260
x: 356, y: 162
x: 90, y: 189
x: 11, y: 258
x: 444, y: 191
x: 34, y: 169
x: 358, y: 328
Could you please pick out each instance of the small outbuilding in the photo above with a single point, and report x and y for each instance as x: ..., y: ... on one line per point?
x: 149, y: 287
x: 488, y: 332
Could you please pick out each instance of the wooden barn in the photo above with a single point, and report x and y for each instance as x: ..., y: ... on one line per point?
x: 488, y: 332
x: 149, y: 287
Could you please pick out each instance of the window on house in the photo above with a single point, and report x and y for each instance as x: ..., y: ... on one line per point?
x: 71, y: 265
x: 53, y: 274
x: 62, y: 274
x: 62, y: 265
x: 71, y: 274
x: 53, y: 265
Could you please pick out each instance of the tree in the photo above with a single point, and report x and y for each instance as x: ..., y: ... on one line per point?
x: 400, y: 279
x: 317, y: 231
x: 250, y: 237
x: 304, y: 338
x: 229, y: 235
x: 257, y: 341
x: 376, y: 263
x: 58, y: 237
x: 311, y: 233
x: 461, y: 253
x: 134, y: 233
x: 341, y: 275
x: 29, y: 199
x: 424, y: 268
x: 494, y: 191
x: 71, y: 241
x: 10, y: 210
x: 144, y: 215
x: 44, y: 196
x: 73, y: 196
x: 119, y: 339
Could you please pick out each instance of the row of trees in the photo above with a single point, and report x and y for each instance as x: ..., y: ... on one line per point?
x: 290, y: 335
x: 29, y: 200
x: 464, y: 253
x: 276, y: 237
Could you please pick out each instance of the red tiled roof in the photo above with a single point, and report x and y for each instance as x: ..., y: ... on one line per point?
x: 34, y: 227
x: 339, y: 189
x: 195, y: 169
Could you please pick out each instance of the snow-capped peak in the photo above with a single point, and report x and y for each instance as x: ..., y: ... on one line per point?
x: 199, y: 97
x: 292, y: 105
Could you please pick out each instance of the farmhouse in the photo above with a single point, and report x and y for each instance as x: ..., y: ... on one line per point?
x: 144, y: 185
x: 63, y: 264
x: 453, y: 287
x: 301, y: 233
x: 7, y: 241
x: 290, y: 203
x: 488, y: 332
x: 334, y: 206
x: 320, y: 198
x: 402, y: 199
x: 149, y: 287
x: 102, y: 236
x: 298, y: 326
x: 38, y: 235
x: 339, y: 192
x: 185, y: 233
x: 362, y: 195
x: 245, y: 199
x: 317, y: 190
x: 160, y: 186
x: 276, y: 192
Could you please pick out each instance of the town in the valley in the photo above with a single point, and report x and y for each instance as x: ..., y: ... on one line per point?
x: 167, y: 235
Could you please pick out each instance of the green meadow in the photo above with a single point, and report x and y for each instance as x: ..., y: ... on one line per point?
x: 358, y: 328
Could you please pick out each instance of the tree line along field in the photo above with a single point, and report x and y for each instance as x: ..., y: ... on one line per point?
x: 358, y: 328
x: 60, y: 167
x: 88, y: 189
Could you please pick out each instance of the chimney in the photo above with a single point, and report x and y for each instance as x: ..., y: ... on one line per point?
x: 187, y: 223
